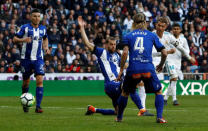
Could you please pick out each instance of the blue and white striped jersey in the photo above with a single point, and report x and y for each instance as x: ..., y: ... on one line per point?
x: 109, y: 63
x: 33, y: 50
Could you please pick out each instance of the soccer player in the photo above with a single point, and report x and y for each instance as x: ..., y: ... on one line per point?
x: 139, y: 43
x: 34, y: 39
x: 168, y: 40
x: 176, y: 57
x: 109, y: 60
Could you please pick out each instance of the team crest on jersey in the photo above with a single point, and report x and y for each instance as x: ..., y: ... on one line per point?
x: 113, y: 59
x: 41, y: 31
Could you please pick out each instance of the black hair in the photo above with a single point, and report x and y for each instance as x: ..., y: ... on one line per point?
x: 176, y: 25
x: 35, y: 11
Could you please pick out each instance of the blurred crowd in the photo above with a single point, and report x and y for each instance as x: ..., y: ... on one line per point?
x: 104, y: 18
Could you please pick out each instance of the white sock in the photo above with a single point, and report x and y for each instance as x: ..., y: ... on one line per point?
x: 173, y: 87
x: 142, y: 95
x: 169, y: 90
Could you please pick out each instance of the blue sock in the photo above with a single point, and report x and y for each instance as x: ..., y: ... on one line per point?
x: 136, y: 99
x: 105, y: 111
x: 39, y: 96
x: 159, y: 103
x: 25, y: 89
x: 122, y: 102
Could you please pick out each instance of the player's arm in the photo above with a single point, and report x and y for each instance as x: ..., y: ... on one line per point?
x: 83, y: 34
x: 158, y: 54
x: 162, y: 61
x: 123, y: 61
x: 45, y: 45
x: 181, y: 49
x: 160, y: 48
x: 18, y: 38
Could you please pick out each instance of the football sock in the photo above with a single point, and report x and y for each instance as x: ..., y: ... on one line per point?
x: 25, y: 89
x: 135, y: 98
x: 173, y: 87
x: 105, y: 111
x: 142, y: 95
x: 39, y: 96
x: 169, y: 90
x: 159, y: 103
x: 122, y: 102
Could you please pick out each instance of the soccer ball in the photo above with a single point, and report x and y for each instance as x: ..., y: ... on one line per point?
x: 27, y: 99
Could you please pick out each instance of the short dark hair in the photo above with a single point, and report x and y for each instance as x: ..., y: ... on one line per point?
x: 176, y: 25
x: 110, y: 38
x: 35, y: 11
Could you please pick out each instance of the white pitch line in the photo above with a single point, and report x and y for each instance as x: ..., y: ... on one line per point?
x: 71, y: 108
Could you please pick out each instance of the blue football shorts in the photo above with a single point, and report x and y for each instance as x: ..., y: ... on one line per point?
x: 28, y: 67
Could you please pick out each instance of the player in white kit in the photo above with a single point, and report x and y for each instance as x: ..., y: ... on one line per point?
x: 172, y: 66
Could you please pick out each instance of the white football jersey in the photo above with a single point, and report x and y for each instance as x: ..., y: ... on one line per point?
x: 167, y: 40
x: 177, y: 56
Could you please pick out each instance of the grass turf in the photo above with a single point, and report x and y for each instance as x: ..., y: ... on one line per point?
x: 66, y: 113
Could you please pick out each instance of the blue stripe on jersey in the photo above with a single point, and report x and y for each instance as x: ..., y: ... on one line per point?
x: 32, y: 51
x: 109, y: 63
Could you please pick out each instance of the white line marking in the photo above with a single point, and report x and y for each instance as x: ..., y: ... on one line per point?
x: 80, y: 108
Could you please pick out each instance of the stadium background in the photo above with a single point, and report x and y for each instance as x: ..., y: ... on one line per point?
x: 104, y: 18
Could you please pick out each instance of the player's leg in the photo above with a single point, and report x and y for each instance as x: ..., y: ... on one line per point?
x: 153, y: 85
x: 171, y: 68
x: 129, y: 86
x: 25, y: 85
x: 39, y: 72
x: 139, y: 100
x: 26, y: 72
x: 113, y: 90
x: 142, y: 93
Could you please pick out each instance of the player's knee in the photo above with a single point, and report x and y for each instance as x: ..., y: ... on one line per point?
x: 125, y: 94
x: 159, y: 92
x: 173, y: 79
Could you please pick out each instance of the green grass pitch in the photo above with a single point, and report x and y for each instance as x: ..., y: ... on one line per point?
x: 66, y: 113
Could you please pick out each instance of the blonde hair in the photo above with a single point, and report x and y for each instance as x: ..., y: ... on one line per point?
x: 139, y: 21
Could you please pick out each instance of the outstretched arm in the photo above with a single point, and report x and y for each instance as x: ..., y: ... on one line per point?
x: 83, y: 34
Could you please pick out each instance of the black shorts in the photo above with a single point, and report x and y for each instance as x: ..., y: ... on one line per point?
x: 151, y: 82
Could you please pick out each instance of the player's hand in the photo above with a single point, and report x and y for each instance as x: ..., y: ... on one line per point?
x: 159, y: 68
x: 119, y: 76
x: 27, y: 39
x: 81, y: 22
x: 172, y: 51
x: 192, y: 60
x: 47, y: 51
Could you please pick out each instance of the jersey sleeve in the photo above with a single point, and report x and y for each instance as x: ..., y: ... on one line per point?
x: 185, y: 45
x: 158, y: 45
x: 20, y: 33
x: 98, y: 51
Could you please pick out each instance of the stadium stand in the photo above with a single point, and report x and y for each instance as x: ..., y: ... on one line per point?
x: 104, y: 18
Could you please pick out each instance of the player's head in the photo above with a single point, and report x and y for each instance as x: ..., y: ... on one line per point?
x: 162, y: 24
x: 111, y: 44
x: 139, y: 21
x: 35, y: 16
x: 176, y: 29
